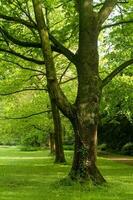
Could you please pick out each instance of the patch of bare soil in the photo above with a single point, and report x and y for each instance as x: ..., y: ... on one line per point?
x: 123, y: 159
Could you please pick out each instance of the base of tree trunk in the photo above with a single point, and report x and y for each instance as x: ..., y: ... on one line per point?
x: 60, y: 160
x: 91, y: 174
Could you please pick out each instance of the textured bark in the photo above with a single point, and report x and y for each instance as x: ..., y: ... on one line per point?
x: 84, y: 166
x: 52, y: 83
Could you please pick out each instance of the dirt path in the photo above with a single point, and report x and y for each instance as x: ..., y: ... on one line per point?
x: 119, y: 158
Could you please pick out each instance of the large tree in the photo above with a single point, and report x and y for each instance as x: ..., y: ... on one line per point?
x: 84, y: 113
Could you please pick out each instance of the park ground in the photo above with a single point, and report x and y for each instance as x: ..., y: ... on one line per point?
x: 34, y: 176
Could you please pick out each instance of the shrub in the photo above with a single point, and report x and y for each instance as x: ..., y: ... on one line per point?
x: 116, y: 134
x: 127, y: 149
x: 31, y: 139
x: 102, y: 147
x: 29, y: 148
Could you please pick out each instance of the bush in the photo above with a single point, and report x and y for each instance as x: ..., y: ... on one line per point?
x: 127, y: 149
x: 115, y: 135
x: 31, y: 139
x: 102, y: 147
x: 29, y: 148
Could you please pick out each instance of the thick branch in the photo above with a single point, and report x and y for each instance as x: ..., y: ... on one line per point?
x: 57, y: 47
x: 22, y: 56
x: 116, y: 71
x: 19, y: 42
x: 63, y: 50
x: 106, y: 10
x: 30, y: 44
x: 117, y: 24
x: 18, y: 20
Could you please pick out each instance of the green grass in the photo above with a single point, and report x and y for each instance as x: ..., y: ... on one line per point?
x: 33, y: 176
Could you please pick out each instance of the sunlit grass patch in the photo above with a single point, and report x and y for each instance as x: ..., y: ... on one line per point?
x: 34, y: 176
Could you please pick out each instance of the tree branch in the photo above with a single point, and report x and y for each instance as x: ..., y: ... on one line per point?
x: 25, y: 117
x: 63, y: 74
x: 19, y: 42
x: 18, y: 20
x: 22, y: 67
x: 27, y: 44
x: 116, y: 71
x: 117, y: 24
x: 38, y: 128
x: 58, y: 47
x: 40, y: 62
x: 23, y: 90
x: 37, y: 44
x: 26, y: 10
x: 35, y: 75
x: 70, y: 79
x: 100, y: 4
x: 106, y: 10
x: 63, y: 50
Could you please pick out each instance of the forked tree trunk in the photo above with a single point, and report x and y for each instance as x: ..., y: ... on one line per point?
x: 59, y: 151
x: 84, y: 114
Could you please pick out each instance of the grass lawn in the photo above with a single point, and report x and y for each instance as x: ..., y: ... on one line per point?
x: 33, y: 176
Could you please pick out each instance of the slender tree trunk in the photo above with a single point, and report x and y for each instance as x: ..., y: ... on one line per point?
x: 59, y: 152
x: 51, y: 143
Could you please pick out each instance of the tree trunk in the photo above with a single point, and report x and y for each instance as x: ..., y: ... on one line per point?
x: 88, y: 97
x: 59, y: 152
x: 51, y: 143
x: 84, y: 161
